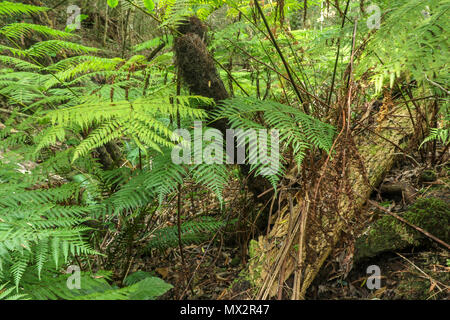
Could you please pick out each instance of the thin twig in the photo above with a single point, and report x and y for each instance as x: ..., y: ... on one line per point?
x: 424, y: 273
x: 437, y: 85
x: 429, y: 235
x: 337, y: 55
x: 277, y: 72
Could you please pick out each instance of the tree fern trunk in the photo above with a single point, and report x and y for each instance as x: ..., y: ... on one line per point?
x: 199, y: 72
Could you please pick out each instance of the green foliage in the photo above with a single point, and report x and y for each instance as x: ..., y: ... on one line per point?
x: 146, y: 186
x: 64, y: 105
x: 140, y: 119
x: 36, y: 226
x: 412, y: 40
x: 17, y: 30
x: 13, y: 8
x: 215, y: 176
x: 175, y: 12
x: 296, y: 129
x: 439, y: 134
x: 149, y: 4
x: 7, y: 293
x: 95, y: 287
x: 145, y: 286
x: 113, y: 3
x: 192, y: 232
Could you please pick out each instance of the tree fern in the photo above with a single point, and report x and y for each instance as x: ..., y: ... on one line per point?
x: 36, y: 227
x: 140, y: 119
x: 296, y: 129
x: 411, y: 43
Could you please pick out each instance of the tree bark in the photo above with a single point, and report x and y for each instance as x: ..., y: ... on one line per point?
x: 199, y: 72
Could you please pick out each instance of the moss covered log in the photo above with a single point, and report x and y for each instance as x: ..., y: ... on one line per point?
x: 389, y: 234
x: 302, y: 238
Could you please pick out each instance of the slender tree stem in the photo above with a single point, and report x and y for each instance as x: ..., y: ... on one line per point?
x: 337, y: 56
x: 286, y: 66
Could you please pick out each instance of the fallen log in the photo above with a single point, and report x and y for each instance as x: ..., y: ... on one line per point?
x: 312, y: 221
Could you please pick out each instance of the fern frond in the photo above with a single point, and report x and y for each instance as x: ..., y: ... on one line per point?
x: 36, y: 228
x: 18, y: 63
x: 13, y: 8
x: 7, y: 293
x: 214, y: 176
x: 44, y: 48
x: 54, y: 286
x: 176, y: 11
x: 439, y: 134
x: 295, y: 128
x: 139, y: 119
x: 17, y: 30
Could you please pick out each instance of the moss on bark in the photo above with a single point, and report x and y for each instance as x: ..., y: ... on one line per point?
x: 389, y: 234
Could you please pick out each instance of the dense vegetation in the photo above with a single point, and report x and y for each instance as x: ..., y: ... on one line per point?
x: 90, y: 105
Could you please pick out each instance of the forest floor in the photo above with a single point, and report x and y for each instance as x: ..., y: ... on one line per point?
x: 212, y: 269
